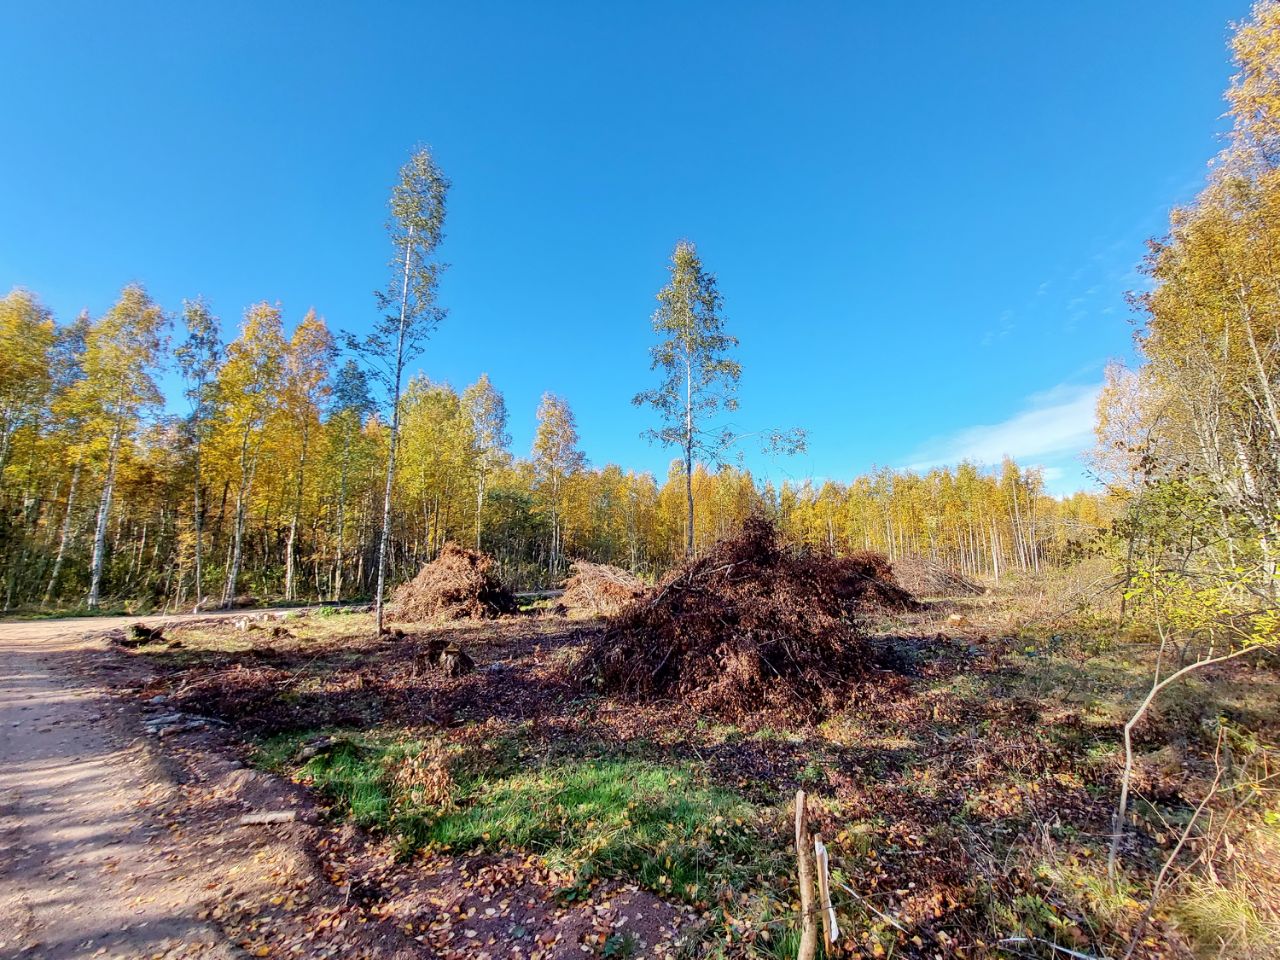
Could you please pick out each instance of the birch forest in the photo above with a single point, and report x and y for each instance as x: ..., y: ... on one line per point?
x: 268, y: 479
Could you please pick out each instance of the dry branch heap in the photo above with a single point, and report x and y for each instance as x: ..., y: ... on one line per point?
x: 600, y: 589
x: 748, y: 626
x: 928, y: 578
x: 459, y: 584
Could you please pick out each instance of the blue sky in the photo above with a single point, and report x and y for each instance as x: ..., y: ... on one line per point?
x: 924, y: 218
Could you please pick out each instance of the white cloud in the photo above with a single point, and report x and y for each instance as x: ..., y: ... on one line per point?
x: 1053, y: 424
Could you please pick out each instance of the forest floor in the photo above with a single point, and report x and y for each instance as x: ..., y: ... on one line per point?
x: 965, y: 793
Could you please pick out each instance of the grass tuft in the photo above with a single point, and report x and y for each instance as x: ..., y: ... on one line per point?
x: 1227, y: 921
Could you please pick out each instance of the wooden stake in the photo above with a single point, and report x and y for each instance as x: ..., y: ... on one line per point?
x: 804, y: 868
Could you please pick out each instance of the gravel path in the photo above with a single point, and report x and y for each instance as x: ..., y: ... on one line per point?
x: 85, y: 871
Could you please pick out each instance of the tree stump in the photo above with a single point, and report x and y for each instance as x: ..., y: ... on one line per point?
x: 455, y: 662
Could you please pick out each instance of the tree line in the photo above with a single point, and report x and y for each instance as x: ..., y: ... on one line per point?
x: 271, y: 479
x: 302, y: 465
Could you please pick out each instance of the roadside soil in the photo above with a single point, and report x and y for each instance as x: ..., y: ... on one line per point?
x: 87, y: 867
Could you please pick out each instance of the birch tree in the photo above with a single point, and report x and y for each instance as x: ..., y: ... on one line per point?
x: 416, y: 228
x: 198, y: 357
x: 350, y: 406
x: 698, y: 375
x: 27, y: 336
x: 121, y: 351
x: 556, y: 460
x: 306, y: 385
x: 67, y: 432
x: 488, y: 414
x: 248, y: 390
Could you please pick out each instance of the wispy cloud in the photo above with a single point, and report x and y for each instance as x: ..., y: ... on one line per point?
x: 1006, y: 326
x: 1053, y: 424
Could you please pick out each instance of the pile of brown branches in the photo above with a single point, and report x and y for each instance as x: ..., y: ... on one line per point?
x: 750, y: 625
x: 599, y: 589
x: 459, y: 584
x: 928, y: 578
x: 871, y: 583
x: 230, y: 694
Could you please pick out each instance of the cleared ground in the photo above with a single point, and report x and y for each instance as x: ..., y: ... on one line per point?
x: 964, y: 788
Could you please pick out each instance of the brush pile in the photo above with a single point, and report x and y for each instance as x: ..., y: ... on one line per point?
x: 871, y: 583
x: 459, y: 584
x: 599, y: 589
x: 749, y: 626
x: 928, y: 578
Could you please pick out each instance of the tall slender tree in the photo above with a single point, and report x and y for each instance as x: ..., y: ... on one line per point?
x: 556, y: 460
x: 350, y: 406
x: 249, y: 388
x: 67, y: 430
x: 488, y: 414
x: 416, y: 228
x: 121, y: 350
x: 698, y: 375
x: 306, y: 385
x: 198, y: 357
x: 27, y: 336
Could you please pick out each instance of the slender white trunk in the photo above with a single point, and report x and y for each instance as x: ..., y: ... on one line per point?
x: 104, y: 513
x: 66, y: 534
x: 342, y: 524
x: 198, y: 523
x: 1264, y: 381
x: 479, y: 507
x: 395, y: 433
x: 290, y: 550
x: 242, y: 493
x: 688, y: 439
x: 1157, y: 685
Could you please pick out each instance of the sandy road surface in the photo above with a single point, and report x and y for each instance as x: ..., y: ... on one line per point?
x: 84, y: 871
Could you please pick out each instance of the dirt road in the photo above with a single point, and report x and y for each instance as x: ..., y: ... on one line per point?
x: 85, y: 869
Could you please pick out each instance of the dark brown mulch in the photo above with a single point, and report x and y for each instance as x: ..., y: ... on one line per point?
x: 459, y: 584
x: 362, y: 681
x: 750, y: 625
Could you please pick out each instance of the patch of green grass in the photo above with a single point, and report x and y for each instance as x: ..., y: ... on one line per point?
x: 352, y: 774
x: 966, y: 686
x: 658, y: 825
x: 767, y: 734
x: 1227, y: 920
x: 812, y: 773
x: 654, y: 824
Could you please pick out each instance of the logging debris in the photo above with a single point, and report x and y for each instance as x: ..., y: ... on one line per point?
x: 750, y: 625
x: 599, y: 589
x: 928, y: 578
x: 459, y: 584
